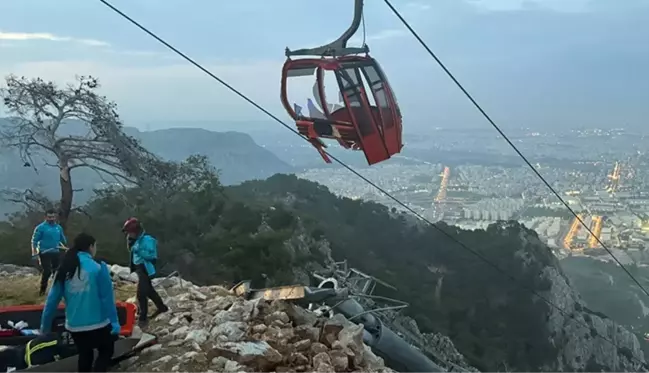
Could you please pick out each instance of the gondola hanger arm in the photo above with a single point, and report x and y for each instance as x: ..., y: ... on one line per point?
x: 337, y: 47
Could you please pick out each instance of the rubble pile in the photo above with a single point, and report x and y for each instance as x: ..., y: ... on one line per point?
x: 209, y: 329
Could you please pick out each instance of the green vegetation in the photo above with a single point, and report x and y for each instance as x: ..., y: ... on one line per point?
x: 204, y: 234
x: 488, y: 316
x: 215, y: 234
x: 275, y: 231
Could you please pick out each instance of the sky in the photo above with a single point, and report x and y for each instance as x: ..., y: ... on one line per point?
x: 530, y: 63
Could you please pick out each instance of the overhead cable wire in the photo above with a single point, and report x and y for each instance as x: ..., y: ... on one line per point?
x: 356, y: 173
x: 511, y: 144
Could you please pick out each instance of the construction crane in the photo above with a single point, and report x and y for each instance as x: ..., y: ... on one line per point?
x: 614, y: 178
x: 574, y: 228
x: 596, y: 227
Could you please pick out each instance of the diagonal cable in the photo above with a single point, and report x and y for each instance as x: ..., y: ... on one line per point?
x: 356, y: 173
x: 497, y: 128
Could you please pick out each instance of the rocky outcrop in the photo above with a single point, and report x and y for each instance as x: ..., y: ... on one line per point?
x: 589, y: 342
x: 583, y: 340
x: 209, y: 329
x: 120, y: 273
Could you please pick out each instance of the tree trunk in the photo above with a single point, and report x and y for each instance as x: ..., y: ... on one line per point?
x: 66, y: 193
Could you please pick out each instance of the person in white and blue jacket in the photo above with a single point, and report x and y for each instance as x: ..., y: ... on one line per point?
x: 90, y: 310
x: 47, y: 241
x: 144, y: 254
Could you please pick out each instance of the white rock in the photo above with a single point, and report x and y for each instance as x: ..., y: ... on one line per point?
x: 154, y: 348
x: 180, y: 332
x: 197, y: 295
x: 258, y: 354
x: 231, y: 330
x: 199, y: 336
x: 224, y: 316
x: 232, y: 367
x: 164, y: 359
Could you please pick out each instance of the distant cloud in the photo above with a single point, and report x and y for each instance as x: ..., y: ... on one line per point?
x: 28, y: 36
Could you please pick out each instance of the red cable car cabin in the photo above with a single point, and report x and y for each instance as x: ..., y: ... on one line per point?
x: 358, y: 125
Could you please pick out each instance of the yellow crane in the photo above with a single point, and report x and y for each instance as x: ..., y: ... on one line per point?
x: 574, y: 228
x: 596, y: 227
x: 614, y: 178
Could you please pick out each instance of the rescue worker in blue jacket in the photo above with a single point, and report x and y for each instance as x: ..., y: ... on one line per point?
x: 144, y: 253
x: 90, y: 311
x: 47, y: 241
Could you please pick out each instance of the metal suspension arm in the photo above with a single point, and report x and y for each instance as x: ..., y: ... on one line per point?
x: 339, y: 46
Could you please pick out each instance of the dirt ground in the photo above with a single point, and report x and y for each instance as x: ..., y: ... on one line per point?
x: 23, y: 290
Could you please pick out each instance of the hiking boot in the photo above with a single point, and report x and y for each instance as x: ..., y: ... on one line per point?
x: 159, y: 311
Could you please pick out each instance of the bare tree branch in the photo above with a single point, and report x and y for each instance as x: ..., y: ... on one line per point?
x: 28, y: 199
x: 77, y: 127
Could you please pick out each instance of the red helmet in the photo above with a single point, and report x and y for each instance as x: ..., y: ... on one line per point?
x: 132, y: 225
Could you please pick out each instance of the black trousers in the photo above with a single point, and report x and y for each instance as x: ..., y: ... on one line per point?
x: 87, y: 342
x: 146, y: 291
x: 49, y: 265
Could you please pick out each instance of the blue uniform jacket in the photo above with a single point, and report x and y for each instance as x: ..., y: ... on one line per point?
x: 89, y: 300
x: 48, y: 237
x: 145, y: 251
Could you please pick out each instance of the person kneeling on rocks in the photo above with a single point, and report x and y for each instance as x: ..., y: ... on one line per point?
x: 144, y: 252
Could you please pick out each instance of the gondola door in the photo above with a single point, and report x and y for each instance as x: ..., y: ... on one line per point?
x: 388, y: 111
x: 359, y: 111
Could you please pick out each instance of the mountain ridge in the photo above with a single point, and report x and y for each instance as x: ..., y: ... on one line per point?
x: 237, y: 156
x: 277, y: 231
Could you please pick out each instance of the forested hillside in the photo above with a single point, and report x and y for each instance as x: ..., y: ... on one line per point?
x: 274, y: 231
x: 279, y: 230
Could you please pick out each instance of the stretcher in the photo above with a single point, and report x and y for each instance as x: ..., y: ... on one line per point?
x: 130, y: 341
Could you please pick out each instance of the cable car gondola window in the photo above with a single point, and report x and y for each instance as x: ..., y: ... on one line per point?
x: 351, y: 86
x: 377, y: 85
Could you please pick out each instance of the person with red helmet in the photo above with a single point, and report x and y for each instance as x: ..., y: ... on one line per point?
x: 144, y: 253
